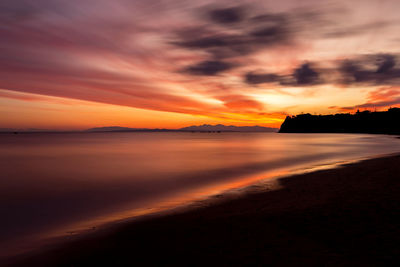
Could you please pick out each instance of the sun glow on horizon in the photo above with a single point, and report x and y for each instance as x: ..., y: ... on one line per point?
x: 47, y: 112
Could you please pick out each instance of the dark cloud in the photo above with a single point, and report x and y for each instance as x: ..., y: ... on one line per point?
x: 386, y: 64
x: 247, y: 40
x: 209, y: 68
x: 303, y: 75
x: 227, y: 15
x: 272, y: 27
x: 373, y: 69
x: 252, y: 78
x: 240, y: 31
x: 271, y: 35
x: 217, y: 45
x: 241, y: 35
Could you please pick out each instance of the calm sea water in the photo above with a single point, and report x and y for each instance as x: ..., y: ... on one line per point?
x: 55, y: 183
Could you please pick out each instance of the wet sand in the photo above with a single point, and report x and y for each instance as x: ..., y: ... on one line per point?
x: 338, y: 217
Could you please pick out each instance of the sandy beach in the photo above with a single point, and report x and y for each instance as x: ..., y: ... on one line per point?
x: 338, y: 217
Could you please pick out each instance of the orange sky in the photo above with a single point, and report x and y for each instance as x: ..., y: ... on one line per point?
x: 169, y: 64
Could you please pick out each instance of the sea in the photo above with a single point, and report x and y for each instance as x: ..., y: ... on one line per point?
x: 62, y: 184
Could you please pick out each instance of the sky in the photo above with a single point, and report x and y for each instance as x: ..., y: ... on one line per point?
x: 79, y: 64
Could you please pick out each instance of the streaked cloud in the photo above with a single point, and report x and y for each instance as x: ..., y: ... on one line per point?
x: 382, y: 97
x: 225, y: 61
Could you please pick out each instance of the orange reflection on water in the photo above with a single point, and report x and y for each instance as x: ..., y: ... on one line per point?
x: 81, y: 180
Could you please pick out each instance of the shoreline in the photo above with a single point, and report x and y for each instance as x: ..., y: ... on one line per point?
x: 294, y: 198
x: 257, y: 182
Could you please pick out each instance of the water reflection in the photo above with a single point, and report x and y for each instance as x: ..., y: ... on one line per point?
x: 53, y: 181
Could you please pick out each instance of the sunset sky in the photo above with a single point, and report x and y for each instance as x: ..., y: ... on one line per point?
x: 78, y: 64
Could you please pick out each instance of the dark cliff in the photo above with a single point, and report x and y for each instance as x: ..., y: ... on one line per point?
x: 386, y: 122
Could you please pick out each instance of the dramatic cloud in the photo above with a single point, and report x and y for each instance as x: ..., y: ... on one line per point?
x: 227, y: 15
x: 373, y: 69
x: 372, y: 105
x: 231, y: 60
x: 209, y: 68
x: 242, y: 35
x: 301, y: 76
x: 253, y: 78
x: 387, y: 62
x: 305, y: 75
x: 379, y: 98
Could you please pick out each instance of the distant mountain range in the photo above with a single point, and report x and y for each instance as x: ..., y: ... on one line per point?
x: 125, y: 129
x: 227, y: 128
x: 199, y: 128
